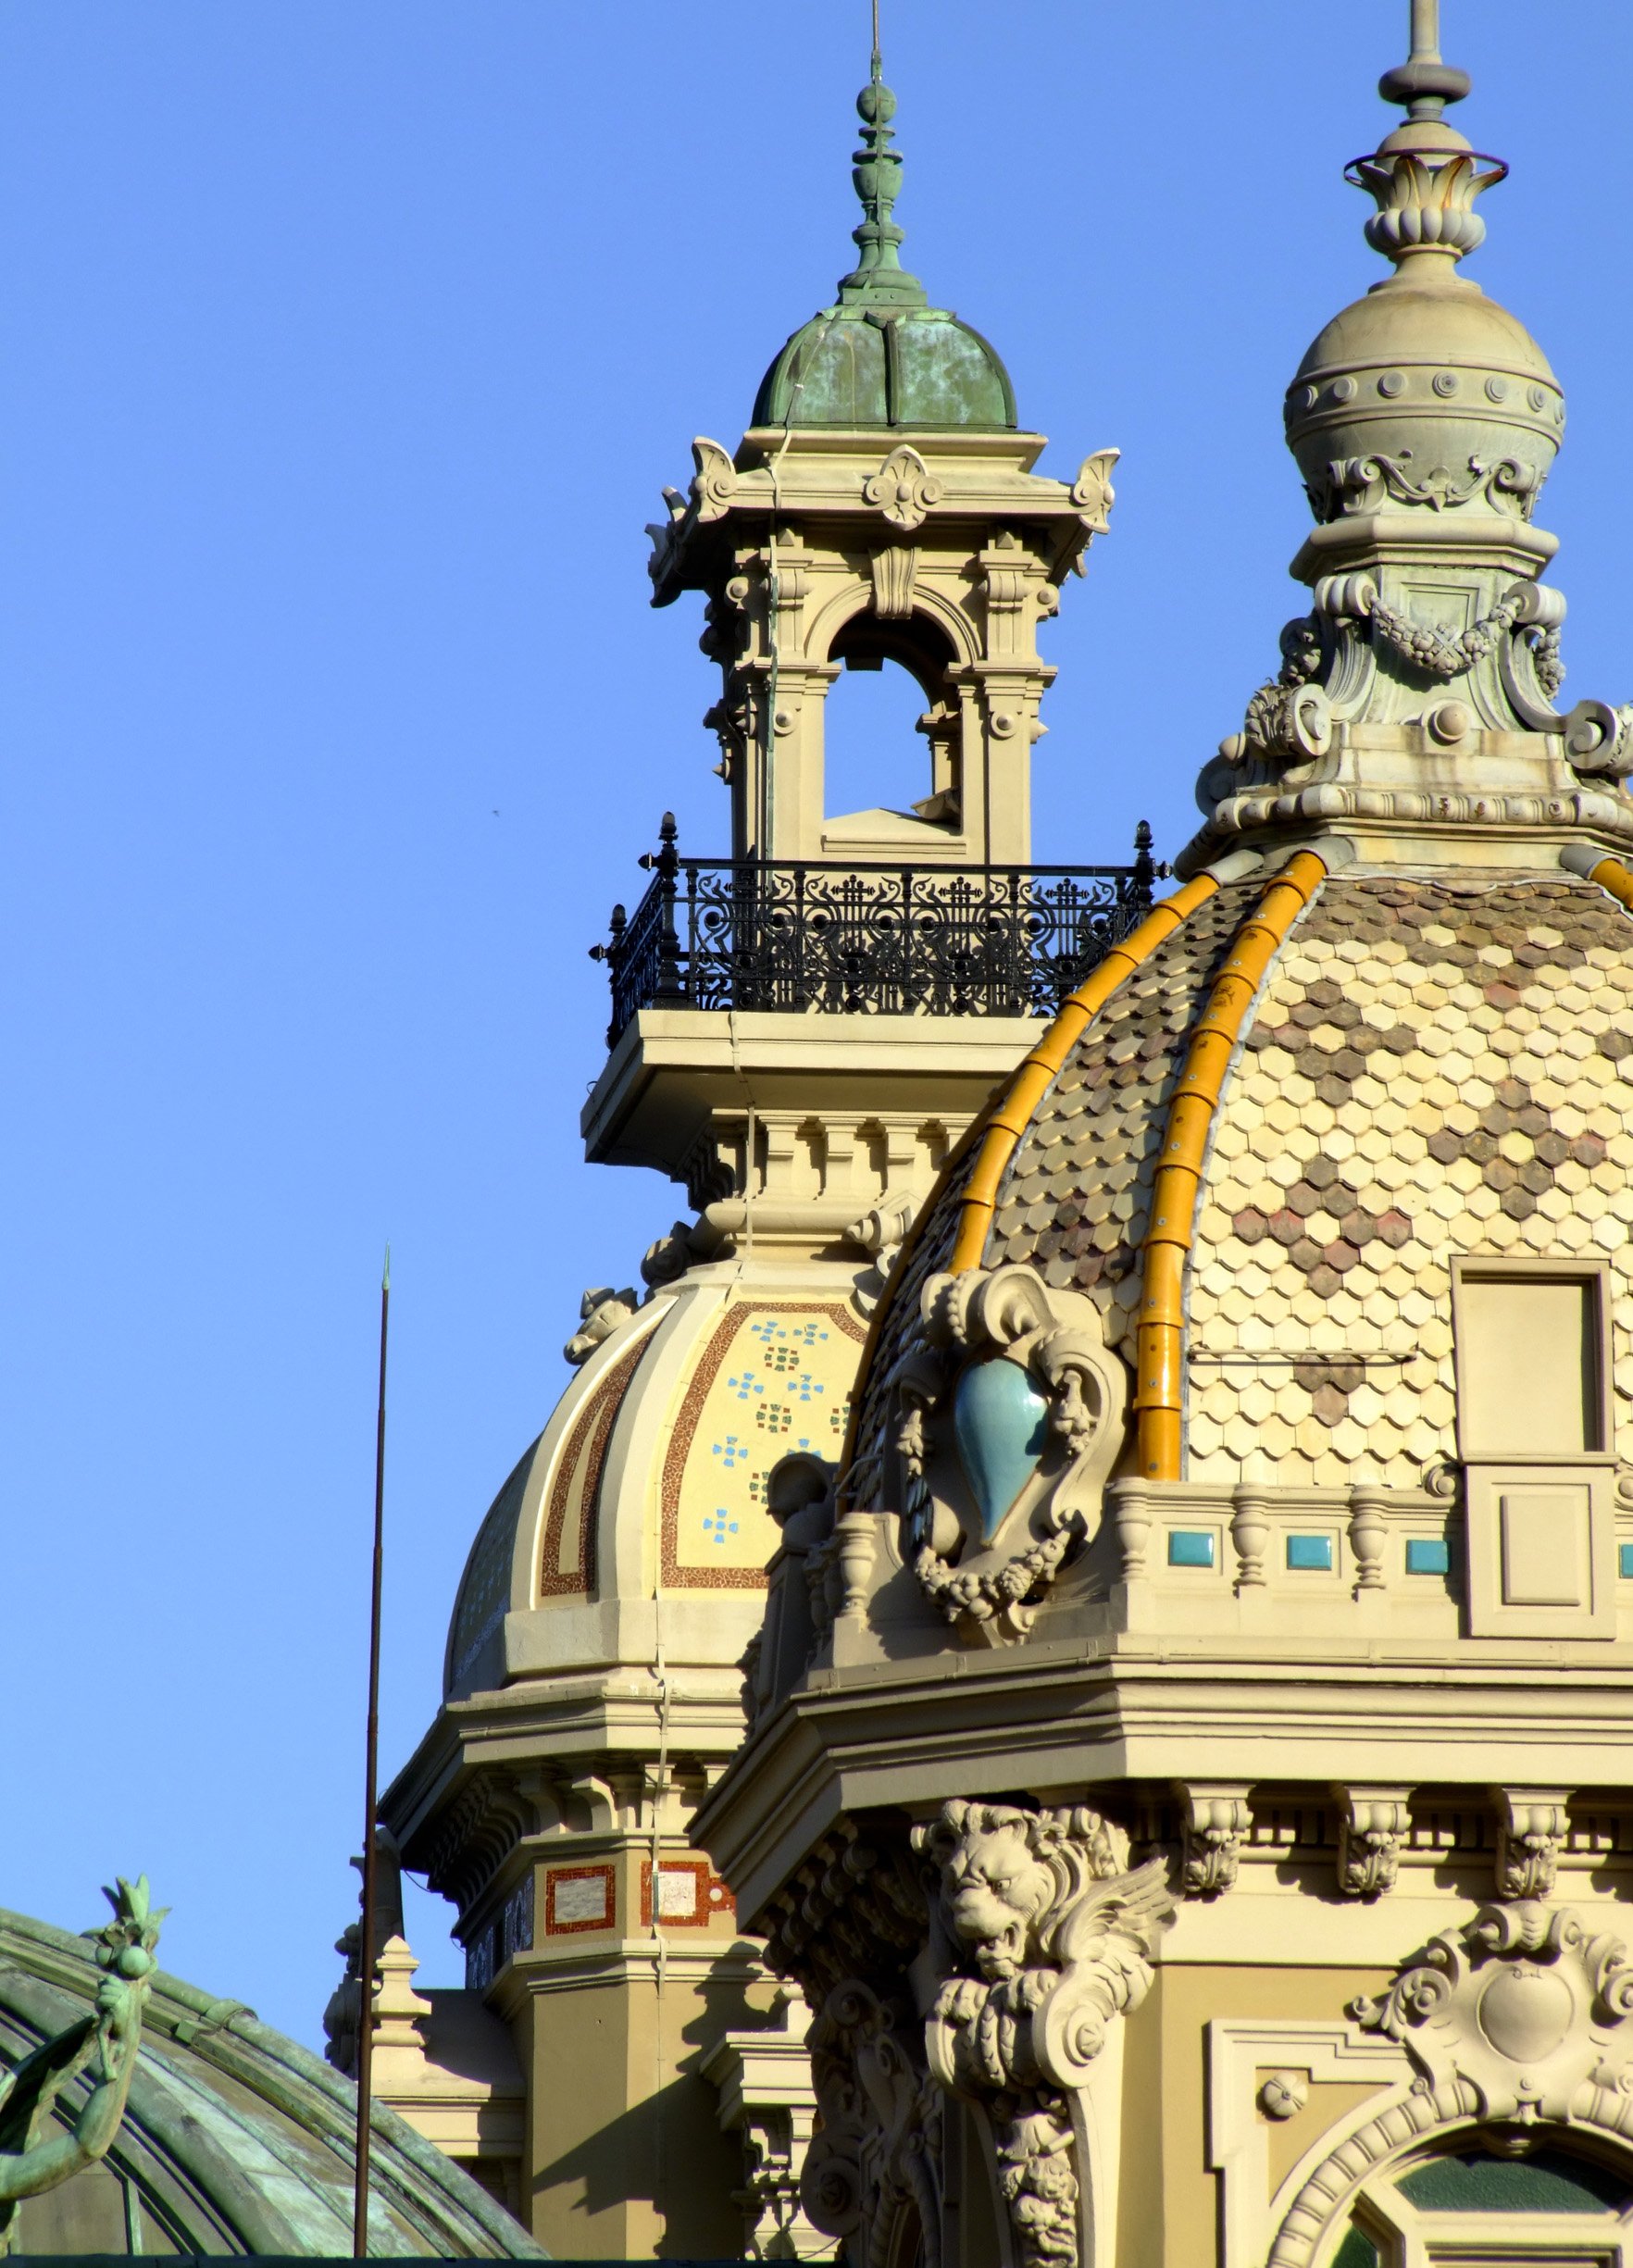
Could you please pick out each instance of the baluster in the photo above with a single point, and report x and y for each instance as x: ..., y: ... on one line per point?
x: 670, y: 984
x: 612, y: 953
x: 1141, y: 886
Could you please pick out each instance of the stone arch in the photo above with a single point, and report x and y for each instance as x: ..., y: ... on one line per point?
x: 854, y: 605
x: 1417, y: 2118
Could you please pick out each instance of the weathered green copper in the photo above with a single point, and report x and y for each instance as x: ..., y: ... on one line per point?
x: 882, y: 356
x: 878, y: 280
x: 33, y: 2159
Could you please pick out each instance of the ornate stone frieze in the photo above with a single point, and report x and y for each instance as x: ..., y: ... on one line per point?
x: 1355, y: 484
x: 1009, y: 1418
x: 1040, y: 1942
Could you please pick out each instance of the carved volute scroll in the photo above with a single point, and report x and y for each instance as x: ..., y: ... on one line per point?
x: 1041, y: 1943
x: 1009, y: 1415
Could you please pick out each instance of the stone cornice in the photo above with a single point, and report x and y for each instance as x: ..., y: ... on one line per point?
x: 1055, y: 1720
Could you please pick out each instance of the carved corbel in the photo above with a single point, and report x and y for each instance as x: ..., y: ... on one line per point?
x: 1530, y: 1828
x: 1372, y: 1824
x: 905, y: 489
x: 1041, y: 1943
x: 1215, y: 1818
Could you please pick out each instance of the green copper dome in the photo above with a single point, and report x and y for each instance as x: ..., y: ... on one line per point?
x: 883, y: 355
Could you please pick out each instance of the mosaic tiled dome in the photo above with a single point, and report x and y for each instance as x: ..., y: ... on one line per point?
x: 651, y: 1477
x: 1432, y: 1067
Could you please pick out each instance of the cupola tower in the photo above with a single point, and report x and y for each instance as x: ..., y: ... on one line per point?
x: 802, y: 1030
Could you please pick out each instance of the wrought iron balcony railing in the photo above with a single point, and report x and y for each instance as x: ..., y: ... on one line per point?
x: 861, y: 939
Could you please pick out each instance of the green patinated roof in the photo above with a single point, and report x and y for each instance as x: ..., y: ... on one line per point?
x: 852, y: 367
x: 235, y: 2139
x: 882, y: 356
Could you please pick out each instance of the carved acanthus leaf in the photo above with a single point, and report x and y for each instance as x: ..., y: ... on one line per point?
x: 1094, y: 494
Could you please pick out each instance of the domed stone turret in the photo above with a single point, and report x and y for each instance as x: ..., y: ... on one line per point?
x: 800, y: 1034
x: 1425, y: 389
x: 882, y: 356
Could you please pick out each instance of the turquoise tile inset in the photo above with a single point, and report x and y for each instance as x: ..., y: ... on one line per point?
x: 1000, y: 1424
x: 1191, y: 1547
x: 1624, y: 1559
x: 1432, y: 1556
x: 1310, y: 1554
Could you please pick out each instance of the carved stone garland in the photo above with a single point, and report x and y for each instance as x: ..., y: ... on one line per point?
x: 987, y: 1578
x: 1041, y: 1943
x: 1328, y: 658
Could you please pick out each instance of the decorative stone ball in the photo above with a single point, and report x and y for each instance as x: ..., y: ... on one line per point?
x: 1284, y: 2094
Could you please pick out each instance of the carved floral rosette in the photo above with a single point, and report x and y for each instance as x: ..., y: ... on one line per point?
x: 985, y: 1560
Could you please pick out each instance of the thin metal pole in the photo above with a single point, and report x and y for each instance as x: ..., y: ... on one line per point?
x: 367, y: 1950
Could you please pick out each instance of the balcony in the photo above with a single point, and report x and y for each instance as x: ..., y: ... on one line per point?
x: 859, y: 938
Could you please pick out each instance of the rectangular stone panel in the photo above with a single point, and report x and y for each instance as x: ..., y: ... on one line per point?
x: 1544, y: 1546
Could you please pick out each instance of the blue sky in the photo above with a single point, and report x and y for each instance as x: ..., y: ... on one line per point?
x: 345, y: 351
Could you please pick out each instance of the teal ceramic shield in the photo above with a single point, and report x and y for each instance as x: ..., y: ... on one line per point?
x: 1000, y: 1421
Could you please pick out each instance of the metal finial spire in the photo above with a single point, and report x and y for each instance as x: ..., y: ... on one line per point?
x: 878, y: 279
x: 1424, y: 84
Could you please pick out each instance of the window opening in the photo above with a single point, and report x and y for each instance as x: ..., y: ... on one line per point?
x: 875, y: 758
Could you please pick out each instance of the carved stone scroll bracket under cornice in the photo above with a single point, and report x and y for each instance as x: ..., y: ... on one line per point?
x: 903, y: 489
x: 875, y: 2157
x: 1215, y: 1818
x: 847, y: 1929
x: 1530, y: 1829
x: 1094, y: 494
x: 1040, y: 1943
x: 1372, y: 1824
